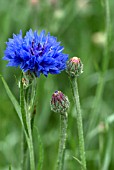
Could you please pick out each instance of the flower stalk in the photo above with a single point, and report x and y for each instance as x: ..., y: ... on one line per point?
x: 74, y: 69
x: 24, y: 151
x: 63, y: 135
x: 30, y: 143
x: 23, y: 113
x: 79, y: 122
x: 26, y: 108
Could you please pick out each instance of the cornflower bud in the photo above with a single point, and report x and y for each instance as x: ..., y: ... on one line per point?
x: 74, y: 67
x: 59, y: 102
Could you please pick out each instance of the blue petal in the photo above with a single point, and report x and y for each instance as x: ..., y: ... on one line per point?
x: 41, y: 54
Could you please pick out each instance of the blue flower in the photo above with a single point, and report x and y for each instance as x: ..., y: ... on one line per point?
x: 36, y: 53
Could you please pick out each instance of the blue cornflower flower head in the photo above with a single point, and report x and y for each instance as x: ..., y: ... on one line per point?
x: 38, y: 54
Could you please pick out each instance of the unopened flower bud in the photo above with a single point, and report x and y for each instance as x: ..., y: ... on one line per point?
x: 74, y: 67
x: 59, y: 102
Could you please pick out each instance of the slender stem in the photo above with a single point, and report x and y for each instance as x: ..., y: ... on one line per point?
x: 63, y: 134
x: 24, y: 147
x: 23, y: 112
x: 26, y: 117
x: 79, y: 123
x: 108, y: 35
x: 32, y: 117
x: 105, y: 61
x: 41, y: 151
x: 22, y: 105
x: 30, y: 122
x: 30, y: 143
x: 101, y: 149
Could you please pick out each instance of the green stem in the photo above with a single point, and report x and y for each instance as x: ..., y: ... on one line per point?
x: 101, y: 83
x: 79, y: 123
x: 26, y: 117
x: 40, y: 147
x: 63, y: 134
x: 23, y: 113
x: 30, y: 142
x: 108, y: 35
x: 31, y: 111
x: 24, y: 147
x: 22, y: 105
x: 32, y: 117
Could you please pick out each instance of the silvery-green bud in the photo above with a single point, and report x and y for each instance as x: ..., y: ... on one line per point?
x: 74, y: 67
x: 59, y: 102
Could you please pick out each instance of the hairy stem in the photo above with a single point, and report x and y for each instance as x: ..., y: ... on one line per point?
x: 23, y: 113
x: 30, y: 143
x: 63, y: 134
x: 26, y: 117
x: 24, y: 147
x: 79, y: 123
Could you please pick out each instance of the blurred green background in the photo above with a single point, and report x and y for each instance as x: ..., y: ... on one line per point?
x: 80, y: 26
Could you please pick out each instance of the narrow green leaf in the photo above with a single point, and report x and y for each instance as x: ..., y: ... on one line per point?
x: 108, y: 151
x: 13, y: 99
x: 16, y: 106
x: 110, y: 119
x: 14, y: 102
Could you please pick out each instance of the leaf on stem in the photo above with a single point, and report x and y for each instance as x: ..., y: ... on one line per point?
x: 13, y: 99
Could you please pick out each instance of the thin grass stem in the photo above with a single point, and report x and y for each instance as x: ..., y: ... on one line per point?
x: 101, y: 83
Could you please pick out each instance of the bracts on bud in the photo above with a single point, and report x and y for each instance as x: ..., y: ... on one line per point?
x: 59, y: 102
x: 74, y: 67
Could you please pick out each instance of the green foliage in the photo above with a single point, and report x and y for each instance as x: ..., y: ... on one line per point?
x: 80, y: 26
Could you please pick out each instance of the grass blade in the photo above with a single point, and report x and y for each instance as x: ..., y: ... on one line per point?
x: 13, y: 99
